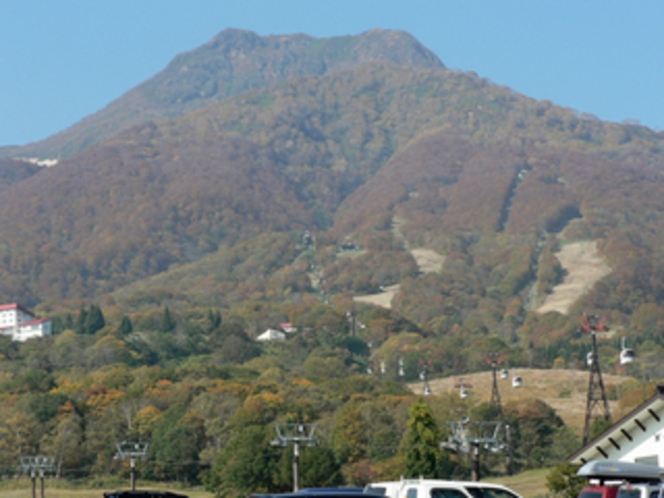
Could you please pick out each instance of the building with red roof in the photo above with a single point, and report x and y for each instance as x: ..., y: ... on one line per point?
x: 21, y: 324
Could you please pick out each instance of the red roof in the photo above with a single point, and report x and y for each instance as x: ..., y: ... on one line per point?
x: 34, y: 322
x: 14, y: 306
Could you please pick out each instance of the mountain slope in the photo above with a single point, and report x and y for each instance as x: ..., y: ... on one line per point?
x: 232, y: 62
x: 292, y: 157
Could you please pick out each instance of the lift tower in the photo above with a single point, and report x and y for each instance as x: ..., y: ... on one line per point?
x: 493, y: 360
x: 596, y: 391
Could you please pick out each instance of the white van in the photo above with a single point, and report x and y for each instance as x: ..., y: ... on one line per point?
x: 436, y: 488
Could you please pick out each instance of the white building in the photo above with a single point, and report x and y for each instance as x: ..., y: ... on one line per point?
x: 21, y: 324
x: 638, y: 437
x: 272, y: 335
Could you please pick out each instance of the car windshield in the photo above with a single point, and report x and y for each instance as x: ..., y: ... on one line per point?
x: 447, y: 493
x: 488, y: 492
x: 629, y: 493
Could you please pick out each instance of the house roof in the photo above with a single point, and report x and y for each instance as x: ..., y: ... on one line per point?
x: 271, y: 335
x: 36, y: 321
x: 14, y: 306
x: 646, y: 417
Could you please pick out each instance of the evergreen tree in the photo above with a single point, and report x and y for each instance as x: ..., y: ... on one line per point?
x: 215, y: 319
x: 57, y: 325
x: 69, y: 322
x: 80, y: 322
x: 94, y: 320
x: 125, y: 326
x: 421, y: 443
x: 167, y: 321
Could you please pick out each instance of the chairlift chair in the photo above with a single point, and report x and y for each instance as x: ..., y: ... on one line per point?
x: 517, y: 381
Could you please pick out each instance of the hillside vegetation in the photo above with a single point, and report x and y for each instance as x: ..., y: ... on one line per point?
x: 320, y: 171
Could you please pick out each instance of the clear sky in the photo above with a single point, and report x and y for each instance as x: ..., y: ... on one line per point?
x: 61, y: 60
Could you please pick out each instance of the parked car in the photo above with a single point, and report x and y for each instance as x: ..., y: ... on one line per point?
x: 616, y: 479
x: 436, y: 488
x: 640, y: 490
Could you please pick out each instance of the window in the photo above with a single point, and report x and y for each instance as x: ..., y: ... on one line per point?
x: 447, y: 493
x: 411, y: 493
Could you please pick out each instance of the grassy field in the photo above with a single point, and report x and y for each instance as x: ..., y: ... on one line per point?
x: 21, y: 489
x: 531, y: 484
x: 528, y: 484
x: 564, y: 390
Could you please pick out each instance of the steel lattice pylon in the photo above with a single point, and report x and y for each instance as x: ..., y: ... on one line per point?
x: 494, y: 360
x: 597, y: 405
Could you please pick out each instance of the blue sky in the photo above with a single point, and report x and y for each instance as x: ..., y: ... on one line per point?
x: 61, y: 60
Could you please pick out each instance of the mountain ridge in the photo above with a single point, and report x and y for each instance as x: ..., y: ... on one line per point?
x: 232, y: 62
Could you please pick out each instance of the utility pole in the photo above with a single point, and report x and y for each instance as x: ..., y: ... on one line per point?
x: 296, y: 434
x: 469, y: 437
x: 132, y: 451
x: 34, y: 464
x: 596, y: 391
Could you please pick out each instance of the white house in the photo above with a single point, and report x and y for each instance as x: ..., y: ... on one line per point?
x: 21, y: 324
x: 637, y: 437
x: 272, y: 335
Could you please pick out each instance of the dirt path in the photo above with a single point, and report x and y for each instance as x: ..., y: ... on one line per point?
x: 427, y: 260
x: 584, y: 267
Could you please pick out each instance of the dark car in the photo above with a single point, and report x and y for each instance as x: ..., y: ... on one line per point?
x: 142, y: 494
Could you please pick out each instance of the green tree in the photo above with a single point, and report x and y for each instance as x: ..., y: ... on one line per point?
x: 349, y: 436
x: 80, y: 322
x: 563, y: 481
x: 167, y: 323
x: 94, y: 320
x: 125, y: 326
x: 177, y: 440
x: 421, y: 443
x: 248, y: 464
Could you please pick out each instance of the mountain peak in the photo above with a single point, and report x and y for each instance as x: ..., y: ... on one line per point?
x: 234, y: 61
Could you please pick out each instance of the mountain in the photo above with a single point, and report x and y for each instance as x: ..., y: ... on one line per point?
x: 316, y: 188
x: 232, y: 62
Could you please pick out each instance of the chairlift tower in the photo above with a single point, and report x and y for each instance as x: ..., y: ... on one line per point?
x: 494, y: 360
x: 469, y: 437
x: 296, y: 434
x: 32, y: 464
x: 132, y: 451
x: 424, y: 375
x: 597, y: 406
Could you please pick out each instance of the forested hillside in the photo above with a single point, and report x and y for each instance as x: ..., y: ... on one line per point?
x: 276, y: 196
